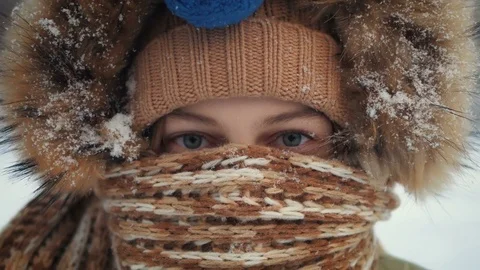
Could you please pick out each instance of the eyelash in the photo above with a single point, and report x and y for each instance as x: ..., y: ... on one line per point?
x: 209, y: 138
x: 219, y: 141
x: 305, y: 133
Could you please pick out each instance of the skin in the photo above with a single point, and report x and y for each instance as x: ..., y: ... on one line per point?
x: 251, y: 121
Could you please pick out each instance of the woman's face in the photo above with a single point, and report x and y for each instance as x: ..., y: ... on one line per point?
x: 251, y: 121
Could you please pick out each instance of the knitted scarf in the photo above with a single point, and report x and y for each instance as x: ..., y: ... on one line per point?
x: 232, y: 207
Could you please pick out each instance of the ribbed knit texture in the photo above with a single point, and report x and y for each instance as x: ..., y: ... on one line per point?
x: 242, y: 207
x: 268, y: 55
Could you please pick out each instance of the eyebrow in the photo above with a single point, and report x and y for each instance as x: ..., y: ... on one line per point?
x: 194, y: 117
x: 288, y: 116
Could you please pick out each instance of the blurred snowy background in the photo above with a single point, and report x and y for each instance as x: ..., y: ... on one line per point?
x: 440, y: 233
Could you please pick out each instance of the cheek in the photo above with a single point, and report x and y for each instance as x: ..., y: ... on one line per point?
x: 323, y: 149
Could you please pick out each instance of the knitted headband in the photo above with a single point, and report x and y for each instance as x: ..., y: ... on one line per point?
x: 274, y: 53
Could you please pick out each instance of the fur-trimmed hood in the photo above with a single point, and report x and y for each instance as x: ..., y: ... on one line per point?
x: 411, y: 64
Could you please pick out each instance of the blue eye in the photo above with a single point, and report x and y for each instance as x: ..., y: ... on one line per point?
x: 191, y: 141
x: 293, y: 139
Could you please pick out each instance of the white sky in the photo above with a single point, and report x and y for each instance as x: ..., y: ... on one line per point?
x: 442, y: 233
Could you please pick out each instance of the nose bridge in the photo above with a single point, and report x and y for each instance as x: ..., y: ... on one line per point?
x: 241, y: 135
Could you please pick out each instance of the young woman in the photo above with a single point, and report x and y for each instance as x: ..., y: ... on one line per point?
x: 229, y: 134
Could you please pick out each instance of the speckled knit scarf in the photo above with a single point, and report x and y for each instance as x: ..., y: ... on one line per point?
x: 233, y: 207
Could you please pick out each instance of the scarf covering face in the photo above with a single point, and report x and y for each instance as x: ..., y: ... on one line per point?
x: 232, y: 207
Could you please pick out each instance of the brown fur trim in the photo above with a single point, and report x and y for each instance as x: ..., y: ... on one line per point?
x: 411, y: 67
x: 408, y: 68
x: 62, y: 81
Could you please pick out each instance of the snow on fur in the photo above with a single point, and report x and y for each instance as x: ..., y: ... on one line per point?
x: 407, y: 68
x: 119, y: 135
x: 62, y: 76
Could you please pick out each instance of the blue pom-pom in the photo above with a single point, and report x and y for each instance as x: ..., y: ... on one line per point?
x: 213, y: 13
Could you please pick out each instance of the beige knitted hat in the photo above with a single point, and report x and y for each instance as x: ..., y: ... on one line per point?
x: 274, y: 53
